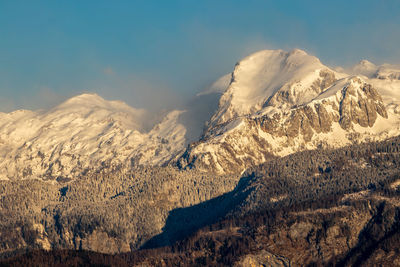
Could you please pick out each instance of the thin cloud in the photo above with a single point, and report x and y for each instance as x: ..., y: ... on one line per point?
x: 44, y: 98
x: 139, y: 91
x: 7, y: 105
x: 108, y: 71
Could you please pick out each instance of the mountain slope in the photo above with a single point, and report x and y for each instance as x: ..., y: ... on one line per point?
x: 321, y: 206
x: 274, y: 103
x: 84, y: 132
x: 279, y: 103
x: 272, y: 78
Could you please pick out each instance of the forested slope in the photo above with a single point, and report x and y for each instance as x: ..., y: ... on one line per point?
x: 322, y: 207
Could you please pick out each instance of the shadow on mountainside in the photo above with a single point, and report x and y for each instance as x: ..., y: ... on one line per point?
x: 183, y: 221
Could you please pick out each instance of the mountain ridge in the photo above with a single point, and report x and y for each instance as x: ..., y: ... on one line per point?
x: 272, y: 104
x: 319, y: 108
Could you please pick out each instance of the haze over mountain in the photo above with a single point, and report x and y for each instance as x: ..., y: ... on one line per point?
x: 143, y: 52
x: 200, y: 133
x: 281, y: 128
x: 282, y: 102
x: 274, y: 103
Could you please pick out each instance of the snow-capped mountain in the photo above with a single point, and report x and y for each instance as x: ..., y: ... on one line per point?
x: 281, y: 102
x: 364, y: 67
x: 84, y: 132
x: 372, y: 71
x: 273, y: 78
x: 274, y: 103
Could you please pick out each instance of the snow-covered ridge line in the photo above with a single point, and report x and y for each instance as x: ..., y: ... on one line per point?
x: 83, y: 132
x: 272, y: 104
x: 281, y: 102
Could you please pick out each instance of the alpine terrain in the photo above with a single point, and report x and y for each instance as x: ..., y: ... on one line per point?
x: 282, y: 162
x: 278, y: 103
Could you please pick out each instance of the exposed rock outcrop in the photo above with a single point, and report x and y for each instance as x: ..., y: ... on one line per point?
x: 299, y: 115
x: 262, y: 258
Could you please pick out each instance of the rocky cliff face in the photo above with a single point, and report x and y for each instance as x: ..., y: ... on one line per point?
x: 307, y: 111
x: 272, y: 78
x: 111, y: 211
x: 273, y: 103
x: 262, y: 258
x: 315, y: 206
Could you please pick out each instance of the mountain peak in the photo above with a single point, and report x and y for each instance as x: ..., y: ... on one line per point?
x: 298, y: 51
x: 89, y: 102
x: 273, y: 102
x: 259, y: 77
x: 364, y: 67
x: 85, y: 99
x: 87, y: 96
x: 365, y: 62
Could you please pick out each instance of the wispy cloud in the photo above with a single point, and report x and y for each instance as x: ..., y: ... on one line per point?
x: 44, y: 98
x: 7, y: 105
x: 108, y: 71
x: 138, y: 90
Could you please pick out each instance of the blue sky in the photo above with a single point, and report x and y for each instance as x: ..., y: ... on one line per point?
x: 161, y: 52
